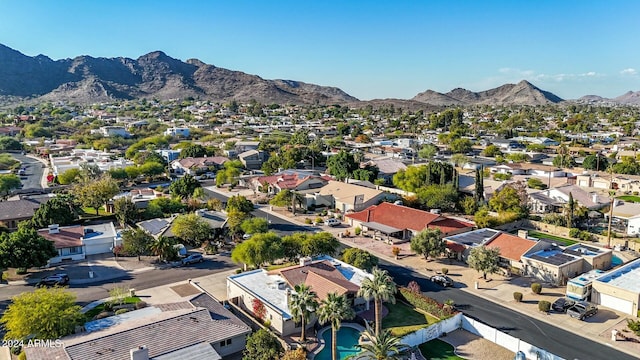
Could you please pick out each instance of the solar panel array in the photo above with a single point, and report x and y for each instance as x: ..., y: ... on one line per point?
x: 555, y: 259
x: 155, y: 226
x: 474, y: 237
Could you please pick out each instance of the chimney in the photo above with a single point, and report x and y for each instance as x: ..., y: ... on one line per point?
x: 523, y: 234
x: 304, y: 261
x: 368, y: 214
x: 141, y: 353
x: 594, y: 198
x: 53, y: 229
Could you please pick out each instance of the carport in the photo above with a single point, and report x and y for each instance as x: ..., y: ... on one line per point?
x: 386, y: 233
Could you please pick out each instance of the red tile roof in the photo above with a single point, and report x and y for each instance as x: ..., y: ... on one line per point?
x: 402, y: 217
x: 511, y: 247
x: 455, y: 247
x: 322, y: 277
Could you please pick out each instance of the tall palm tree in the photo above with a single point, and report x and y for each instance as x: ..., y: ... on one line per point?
x: 302, y: 303
x: 383, y: 346
x: 334, y: 309
x: 380, y: 288
x: 164, y: 248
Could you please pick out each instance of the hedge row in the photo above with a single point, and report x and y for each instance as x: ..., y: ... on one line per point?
x: 426, y: 304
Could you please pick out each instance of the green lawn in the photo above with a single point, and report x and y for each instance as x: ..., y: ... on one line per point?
x: 89, y: 211
x: 630, y: 198
x: 89, y: 315
x: 559, y: 240
x: 403, y: 319
x: 438, y: 350
x: 280, y: 266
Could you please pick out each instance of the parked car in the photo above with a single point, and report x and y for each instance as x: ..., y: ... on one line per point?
x: 442, y: 280
x: 59, y: 279
x: 246, y: 236
x: 582, y: 310
x: 332, y: 222
x: 562, y: 304
x: 192, y: 259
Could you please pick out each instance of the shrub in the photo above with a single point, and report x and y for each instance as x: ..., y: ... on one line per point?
x: 426, y: 304
x: 574, y: 233
x: 308, y: 221
x: 267, y: 323
x: 414, y: 287
x: 585, y: 236
x: 544, y: 305
x: 357, y: 230
x: 517, y: 296
x: 634, y: 326
x: 108, y: 306
x: 141, y: 305
x: 319, y: 220
x: 22, y: 356
x: 501, y: 176
x: 445, y: 271
x: 121, y: 311
x: 536, y: 288
x: 395, y: 251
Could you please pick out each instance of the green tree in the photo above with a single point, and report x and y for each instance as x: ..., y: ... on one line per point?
x: 184, y: 186
x: 262, y: 345
x: 45, y: 314
x: 9, y: 182
x: 460, y: 146
x: 478, y: 193
x: 239, y: 203
x: 151, y: 169
x: 342, y: 165
x: 95, y: 193
x: 428, y: 151
x: 380, y: 288
x: 359, y: 258
x: 595, y: 162
x: 511, y: 198
x: 191, y: 228
x: 382, y: 346
x: 25, y: 248
x: 468, y: 205
x: 491, y: 151
x: 255, y: 225
x: 442, y: 197
x: 428, y: 243
x: 260, y: 249
x: 321, y: 243
x: 570, y: 210
x: 230, y: 173
x: 125, y: 210
x: 164, y: 248
x: 9, y: 143
x: 536, y: 183
x: 564, y: 161
x: 416, y: 177
x: 484, y: 259
x: 628, y: 166
x: 59, y: 210
x: 193, y: 150
x: 333, y: 309
x: 136, y: 242
x: 302, y: 303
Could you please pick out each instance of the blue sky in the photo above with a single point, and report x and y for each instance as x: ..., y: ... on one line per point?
x: 370, y: 49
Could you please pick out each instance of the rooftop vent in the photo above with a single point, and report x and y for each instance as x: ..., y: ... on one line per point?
x: 54, y: 229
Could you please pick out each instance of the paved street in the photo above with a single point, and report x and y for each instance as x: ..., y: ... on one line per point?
x: 33, y: 174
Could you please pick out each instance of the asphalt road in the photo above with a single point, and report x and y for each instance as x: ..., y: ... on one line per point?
x: 33, y: 174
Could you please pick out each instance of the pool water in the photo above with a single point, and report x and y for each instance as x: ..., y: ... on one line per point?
x: 347, y: 343
x: 615, y: 261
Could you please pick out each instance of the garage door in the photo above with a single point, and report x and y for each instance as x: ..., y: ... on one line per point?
x: 98, y: 248
x: 617, y: 304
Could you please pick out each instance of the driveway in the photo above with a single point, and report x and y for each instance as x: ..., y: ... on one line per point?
x: 33, y: 172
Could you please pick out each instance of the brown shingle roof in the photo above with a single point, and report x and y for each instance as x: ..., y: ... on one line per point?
x: 511, y: 247
x: 17, y: 209
x: 322, y: 276
x: 67, y: 237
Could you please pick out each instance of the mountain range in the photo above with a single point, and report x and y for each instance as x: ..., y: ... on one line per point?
x: 85, y: 79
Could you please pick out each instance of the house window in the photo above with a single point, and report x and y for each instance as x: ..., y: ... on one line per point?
x: 75, y: 250
x: 224, y: 343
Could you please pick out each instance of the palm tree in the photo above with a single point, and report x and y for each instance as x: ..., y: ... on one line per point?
x: 379, y: 288
x: 334, y: 309
x: 383, y: 346
x: 302, y: 303
x: 164, y: 248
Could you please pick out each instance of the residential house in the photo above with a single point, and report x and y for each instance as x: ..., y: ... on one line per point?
x: 15, y: 211
x: 242, y: 146
x: 555, y: 199
x: 78, y: 241
x: 199, y: 328
x: 162, y: 226
x: 194, y: 166
x: 169, y: 154
x: 552, y: 265
x: 273, y: 289
x: 393, y: 222
x: 619, y: 289
x: 252, y: 159
x: 101, y: 159
x: 626, y: 217
x: 459, y: 246
x: 543, y: 171
x: 182, y: 132
x: 513, y: 248
x: 299, y: 181
x: 349, y: 197
x: 592, y: 180
x: 112, y: 131
x: 10, y: 130
x: 387, y: 168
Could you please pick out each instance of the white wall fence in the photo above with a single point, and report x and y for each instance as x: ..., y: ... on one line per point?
x: 506, y: 341
x: 434, y: 331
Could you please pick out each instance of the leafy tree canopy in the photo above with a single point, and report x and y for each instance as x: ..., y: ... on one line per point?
x: 262, y: 345
x: 184, y: 186
x: 428, y: 243
x: 260, y: 249
x: 191, y: 228
x: 360, y: 258
x: 25, y: 249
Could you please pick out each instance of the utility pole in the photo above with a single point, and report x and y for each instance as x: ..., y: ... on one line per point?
x: 611, y: 193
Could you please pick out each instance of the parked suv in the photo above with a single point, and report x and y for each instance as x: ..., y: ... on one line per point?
x: 59, y: 279
x: 332, y: 222
x: 562, y: 304
x: 442, y: 280
x: 192, y: 259
x: 582, y: 310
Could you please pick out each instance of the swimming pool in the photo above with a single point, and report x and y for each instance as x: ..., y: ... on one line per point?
x: 347, y: 343
x: 615, y: 261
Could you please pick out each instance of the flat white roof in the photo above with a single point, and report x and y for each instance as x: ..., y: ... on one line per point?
x: 265, y: 287
x: 626, y: 277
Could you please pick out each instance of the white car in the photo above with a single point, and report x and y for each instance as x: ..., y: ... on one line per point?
x: 332, y: 222
x: 246, y: 236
